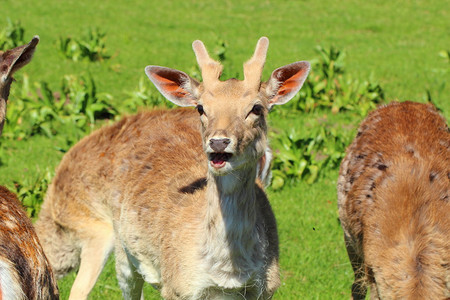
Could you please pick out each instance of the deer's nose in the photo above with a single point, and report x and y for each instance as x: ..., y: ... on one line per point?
x: 219, y: 145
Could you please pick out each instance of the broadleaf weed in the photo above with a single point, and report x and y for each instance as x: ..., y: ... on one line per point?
x: 44, y: 111
x: 91, y: 47
x: 31, y: 192
x: 12, y: 35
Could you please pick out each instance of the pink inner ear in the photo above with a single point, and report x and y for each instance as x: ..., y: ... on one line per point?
x: 290, y: 84
x: 170, y: 87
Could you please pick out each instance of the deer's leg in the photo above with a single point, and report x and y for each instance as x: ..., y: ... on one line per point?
x: 374, y: 292
x: 97, y: 244
x: 130, y: 281
x: 359, y: 288
x: 273, y: 280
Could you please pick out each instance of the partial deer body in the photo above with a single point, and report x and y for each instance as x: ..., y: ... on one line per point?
x: 175, y: 192
x: 25, y: 272
x: 394, y: 204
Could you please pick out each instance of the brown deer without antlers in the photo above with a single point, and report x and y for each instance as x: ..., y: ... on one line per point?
x: 25, y: 272
x: 175, y: 192
x: 394, y: 204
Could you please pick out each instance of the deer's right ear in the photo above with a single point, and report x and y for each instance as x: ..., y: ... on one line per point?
x: 176, y: 86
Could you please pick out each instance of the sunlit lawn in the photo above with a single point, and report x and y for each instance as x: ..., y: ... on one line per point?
x: 397, y: 42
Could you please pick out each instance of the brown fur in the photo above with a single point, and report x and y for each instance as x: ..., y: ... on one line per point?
x: 394, y: 204
x: 20, y: 247
x: 24, y: 269
x: 150, y: 187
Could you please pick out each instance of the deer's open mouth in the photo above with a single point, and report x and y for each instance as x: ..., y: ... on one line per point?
x: 219, y: 159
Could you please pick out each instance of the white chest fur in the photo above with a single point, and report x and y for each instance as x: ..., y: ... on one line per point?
x: 233, y: 243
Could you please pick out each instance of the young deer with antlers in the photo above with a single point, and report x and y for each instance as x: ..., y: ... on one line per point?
x: 193, y: 221
x: 394, y: 204
x: 25, y: 272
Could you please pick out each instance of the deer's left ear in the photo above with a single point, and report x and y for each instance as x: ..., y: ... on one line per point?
x: 285, y: 82
x: 14, y: 59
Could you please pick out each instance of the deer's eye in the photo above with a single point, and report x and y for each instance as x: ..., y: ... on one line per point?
x: 200, y: 109
x: 257, y: 110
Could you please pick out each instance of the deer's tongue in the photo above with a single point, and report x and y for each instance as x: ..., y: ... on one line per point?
x: 218, y: 160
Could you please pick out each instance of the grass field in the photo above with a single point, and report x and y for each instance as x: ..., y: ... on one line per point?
x: 397, y: 43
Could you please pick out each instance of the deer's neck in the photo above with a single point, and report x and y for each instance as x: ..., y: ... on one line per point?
x: 232, y: 238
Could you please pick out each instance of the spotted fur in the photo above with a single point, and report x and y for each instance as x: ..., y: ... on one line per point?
x: 25, y: 272
x: 394, y: 205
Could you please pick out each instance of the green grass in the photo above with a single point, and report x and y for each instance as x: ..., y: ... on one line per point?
x: 314, y: 263
x: 397, y: 42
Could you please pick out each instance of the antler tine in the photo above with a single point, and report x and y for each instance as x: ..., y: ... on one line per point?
x: 211, y: 69
x: 254, y: 66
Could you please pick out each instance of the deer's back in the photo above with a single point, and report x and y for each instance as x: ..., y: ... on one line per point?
x: 393, y: 195
x: 90, y: 178
x: 410, y: 131
x: 21, y: 255
x: 165, y: 170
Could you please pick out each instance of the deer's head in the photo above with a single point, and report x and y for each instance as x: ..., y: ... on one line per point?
x: 11, y: 61
x: 233, y: 113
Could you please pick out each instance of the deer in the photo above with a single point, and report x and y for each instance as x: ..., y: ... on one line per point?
x: 175, y: 193
x: 25, y: 272
x: 394, y: 205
